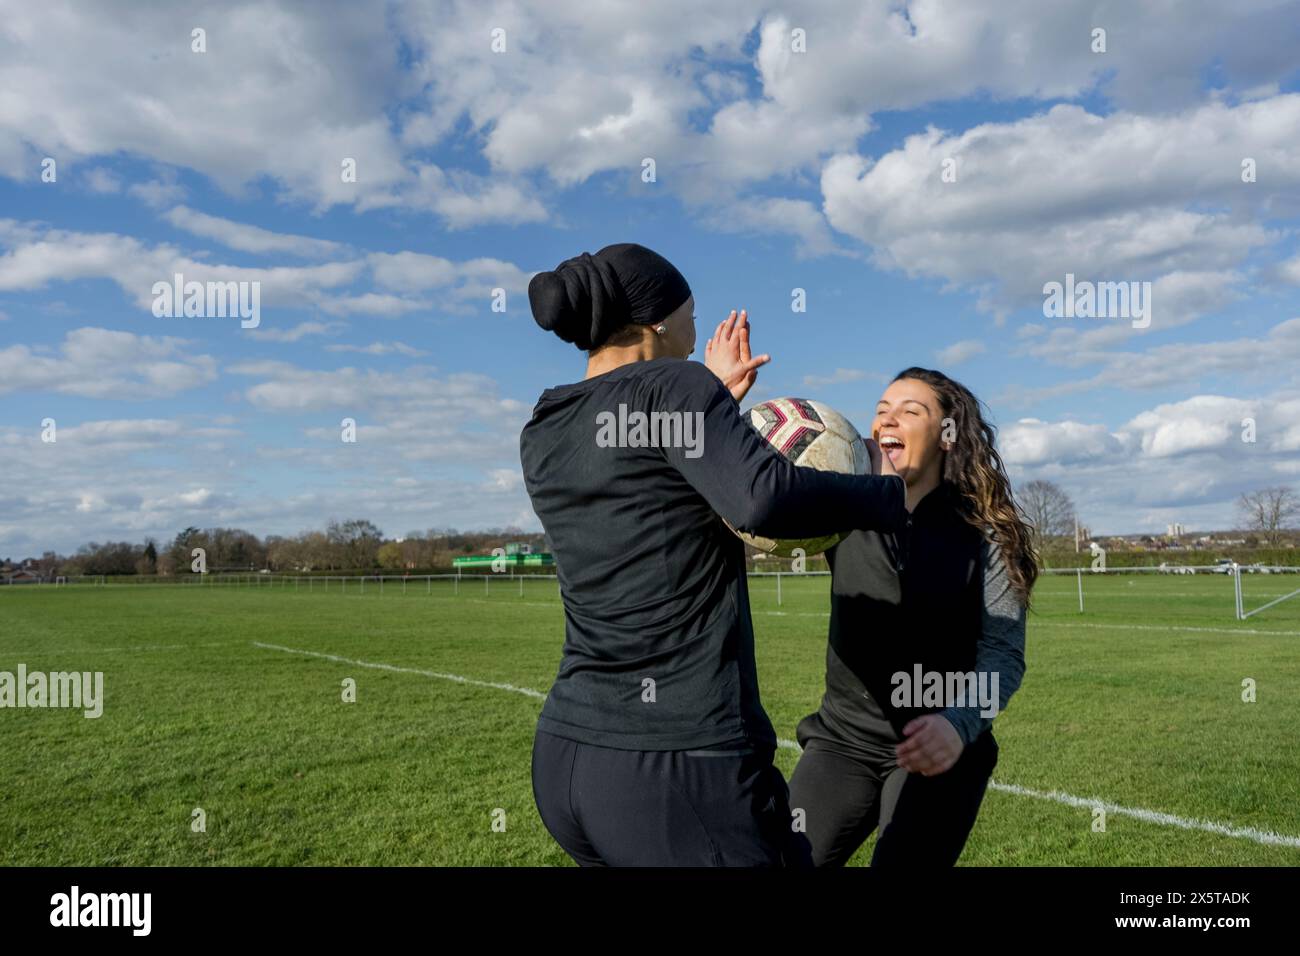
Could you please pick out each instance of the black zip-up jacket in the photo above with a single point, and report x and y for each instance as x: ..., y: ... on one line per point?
x: 658, y: 642
x: 934, y: 594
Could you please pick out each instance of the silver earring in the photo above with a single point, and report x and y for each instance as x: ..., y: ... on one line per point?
x: 661, y: 329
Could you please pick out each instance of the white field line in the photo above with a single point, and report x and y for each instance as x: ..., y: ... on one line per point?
x: 1266, y: 837
x: 404, y: 670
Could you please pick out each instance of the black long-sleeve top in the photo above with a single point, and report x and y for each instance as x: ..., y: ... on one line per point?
x: 933, y: 596
x: 659, y: 646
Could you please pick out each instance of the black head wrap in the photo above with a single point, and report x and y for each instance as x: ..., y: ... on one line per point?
x: 589, y: 297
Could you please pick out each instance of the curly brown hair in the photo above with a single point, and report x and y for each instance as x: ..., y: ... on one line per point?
x: 974, y: 467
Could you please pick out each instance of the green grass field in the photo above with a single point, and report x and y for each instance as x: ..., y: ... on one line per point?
x: 1136, y: 702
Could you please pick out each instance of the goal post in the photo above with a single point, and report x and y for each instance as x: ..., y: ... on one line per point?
x: 1274, y: 599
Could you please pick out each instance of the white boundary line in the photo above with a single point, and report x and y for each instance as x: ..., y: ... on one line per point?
x: 527, y: 691
x: 1266, y: 837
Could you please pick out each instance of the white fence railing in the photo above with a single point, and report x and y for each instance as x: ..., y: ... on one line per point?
x: 309, y: 582
x: 1232, y: 571
x: 494, y: 582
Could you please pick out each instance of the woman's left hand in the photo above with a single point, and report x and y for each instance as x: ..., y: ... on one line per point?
x: 727, y: 356
x: 932, y: 745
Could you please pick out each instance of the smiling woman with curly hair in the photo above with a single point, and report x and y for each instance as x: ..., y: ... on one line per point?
x: 946, y: 595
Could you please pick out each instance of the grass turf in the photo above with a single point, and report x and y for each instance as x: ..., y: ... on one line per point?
x: 1136, y: 702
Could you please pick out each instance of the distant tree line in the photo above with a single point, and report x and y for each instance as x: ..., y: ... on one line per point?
x: 1268, y: 517
x: 352, y: 545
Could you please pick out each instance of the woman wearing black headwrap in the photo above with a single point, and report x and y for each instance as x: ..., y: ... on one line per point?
x: 653, y: 747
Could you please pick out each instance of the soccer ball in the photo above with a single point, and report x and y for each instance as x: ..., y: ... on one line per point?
x: 812, y: 435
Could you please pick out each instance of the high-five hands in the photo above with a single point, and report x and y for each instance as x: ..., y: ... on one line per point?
x: 727, y: 355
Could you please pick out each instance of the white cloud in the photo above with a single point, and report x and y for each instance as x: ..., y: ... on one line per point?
x: 332, y: 81
x: 380, y: 348
x: 1235, y: 427
x: 370, y: 303
x: 102, y: 181
x: 1179, y: 461
x: 246, y: 238
x: 1186, y: 461
x: 1177, y: 364
x: 741, y: 127
x: 1200, y: 423
x: 581, y: 90
x: 101, y: 363
x: 959, y: 352
x: 36, y: 255
x: 137, y: 432
x: 464, y: 199
x: 297, y: 333
x: 587, y: 89
x: 1059, y: 193
x: 1177, y: 299
x: 460, y: 286
x: 408, y: 415
x: 1034, y: 442
x: 794, y: 217
x: 157, y: 193
x: 505, y: 479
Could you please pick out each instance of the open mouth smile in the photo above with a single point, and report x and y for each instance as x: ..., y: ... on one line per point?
x: 892, y: 446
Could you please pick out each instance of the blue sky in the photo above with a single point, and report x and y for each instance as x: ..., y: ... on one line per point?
x: 776, y: 170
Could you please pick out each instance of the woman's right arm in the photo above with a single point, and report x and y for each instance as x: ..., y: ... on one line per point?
x: 753, y: 486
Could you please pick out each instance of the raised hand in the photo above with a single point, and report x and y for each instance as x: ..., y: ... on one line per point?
x: 727, y: 355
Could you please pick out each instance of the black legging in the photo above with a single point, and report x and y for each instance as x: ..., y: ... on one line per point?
x: 711, y: 807
x: 846, y: 786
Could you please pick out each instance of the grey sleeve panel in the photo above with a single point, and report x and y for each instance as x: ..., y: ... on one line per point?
x: 1000, y: 651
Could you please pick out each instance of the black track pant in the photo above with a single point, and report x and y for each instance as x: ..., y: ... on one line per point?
x: 609, y: 807
x: 848, y: 787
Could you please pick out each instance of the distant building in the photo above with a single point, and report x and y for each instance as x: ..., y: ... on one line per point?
x: 1176, y: 530
x: 20, y: 576
x: 500, y: 563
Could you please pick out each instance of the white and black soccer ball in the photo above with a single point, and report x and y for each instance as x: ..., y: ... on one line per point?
x: 812, y: 435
